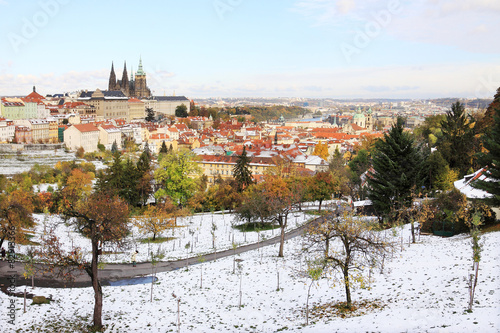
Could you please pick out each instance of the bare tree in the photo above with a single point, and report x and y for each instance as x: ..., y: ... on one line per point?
x: 358, y: 245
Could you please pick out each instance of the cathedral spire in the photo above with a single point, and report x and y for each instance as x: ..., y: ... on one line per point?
x: 112, y: 78
x: 125, y: 86
x: 140, y: 71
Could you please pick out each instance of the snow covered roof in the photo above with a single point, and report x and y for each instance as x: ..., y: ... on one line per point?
x: 310, y: 160
x: 465, y: 187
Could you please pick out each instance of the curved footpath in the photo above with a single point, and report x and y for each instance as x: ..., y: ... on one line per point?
x: 116, y: 272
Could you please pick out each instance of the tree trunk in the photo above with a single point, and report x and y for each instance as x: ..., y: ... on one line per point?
x: 347, y: 288
x: 412, y: 232
x: 96, y: 285
x: 282, y: 236
x: 327, y: 247
x: 319, y: 207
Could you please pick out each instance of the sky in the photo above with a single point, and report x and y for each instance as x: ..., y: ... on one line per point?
x: 255, y: 48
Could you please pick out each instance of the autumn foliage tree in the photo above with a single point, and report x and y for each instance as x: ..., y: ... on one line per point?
x: 157, y: 219
x: 321, y: 187
x: 16, y: 213
x: 278, y: 200
x: 100, y: 216
x: 321, y: 150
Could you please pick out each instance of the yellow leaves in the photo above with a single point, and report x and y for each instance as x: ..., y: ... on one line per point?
x: 157, y: 219
x: 78, y: 184
x: 321, y: 150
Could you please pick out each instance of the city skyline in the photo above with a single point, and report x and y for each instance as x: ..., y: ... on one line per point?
x: 241, y: 48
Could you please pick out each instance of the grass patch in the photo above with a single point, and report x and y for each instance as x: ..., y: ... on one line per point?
x: 157, y: 240
x: 252, y: 227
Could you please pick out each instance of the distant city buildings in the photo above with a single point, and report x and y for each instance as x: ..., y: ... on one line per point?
x: 86, y: 119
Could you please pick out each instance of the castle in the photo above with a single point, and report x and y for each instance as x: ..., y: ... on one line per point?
x: 131, y: 88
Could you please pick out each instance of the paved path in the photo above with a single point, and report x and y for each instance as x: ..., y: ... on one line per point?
x: 115, y: 272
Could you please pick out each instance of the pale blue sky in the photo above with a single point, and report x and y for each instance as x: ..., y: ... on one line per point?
x: 236, y: 48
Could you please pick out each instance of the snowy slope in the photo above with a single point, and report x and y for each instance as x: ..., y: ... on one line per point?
x: 423, y: 287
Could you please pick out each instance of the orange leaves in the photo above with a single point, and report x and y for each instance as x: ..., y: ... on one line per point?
x: 16, y: 208
x: 79, y: 183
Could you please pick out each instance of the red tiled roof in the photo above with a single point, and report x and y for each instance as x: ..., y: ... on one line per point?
x: 86, y: 128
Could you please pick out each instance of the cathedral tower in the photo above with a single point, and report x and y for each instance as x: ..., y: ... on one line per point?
x: 125, y: 87
x: 112, y: 79
x: 141, y: 87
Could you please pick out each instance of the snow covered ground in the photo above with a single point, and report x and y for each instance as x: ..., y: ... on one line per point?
x: 25, y: 160
x: 193, y: 230
x: 423, y: 287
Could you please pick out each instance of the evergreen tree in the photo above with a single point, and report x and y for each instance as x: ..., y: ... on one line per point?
x: 397, y: 165
x: 113, y: 176
x: 491, y: 158
x: 150, y: 114
x: 241, y: 171
x: 147, y: 150
x: 130, y: 179
x: 457, y: 142
x: 163, y: 149
x: 144, y: 162
x: 276, y: 138
x: 114, y: 147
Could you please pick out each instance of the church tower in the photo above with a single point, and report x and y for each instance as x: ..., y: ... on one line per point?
x: 141, y: 87
x: 112, y: 79
x: 124, y: 83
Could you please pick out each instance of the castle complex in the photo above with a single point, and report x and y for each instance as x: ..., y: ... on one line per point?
x: 133, y: 87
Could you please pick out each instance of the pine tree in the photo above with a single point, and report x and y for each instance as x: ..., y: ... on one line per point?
x: 241, y: 171
x: 163, y: 149
x: 491, y: 158
x: 398, y: 166
x: 457, y: 142
x: 144, y: 162
x: 150, y: 114
x: 146, y: 149
x: 114, y: 147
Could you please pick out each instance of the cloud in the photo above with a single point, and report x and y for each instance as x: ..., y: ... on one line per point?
x: 471, y: 25
x: 450, y: 7
x: 423, y: 81
x: 50, y: 83
x: 323, y: 12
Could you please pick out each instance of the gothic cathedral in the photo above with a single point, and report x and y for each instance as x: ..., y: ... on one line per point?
x: 132, y: 88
